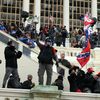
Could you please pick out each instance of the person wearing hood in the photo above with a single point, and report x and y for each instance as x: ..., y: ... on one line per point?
x: 45, y: 58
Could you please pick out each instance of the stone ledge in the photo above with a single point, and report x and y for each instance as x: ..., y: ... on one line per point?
x: 78, y: 96
x: 45, y: 89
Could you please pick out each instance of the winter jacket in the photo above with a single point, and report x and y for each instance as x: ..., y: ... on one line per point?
x: 11, y: 56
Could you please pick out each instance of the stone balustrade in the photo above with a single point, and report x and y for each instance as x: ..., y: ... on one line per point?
x: 44, y: 93
x: 14, y: 94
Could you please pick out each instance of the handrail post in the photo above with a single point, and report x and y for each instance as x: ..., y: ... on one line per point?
x: 46, y: 93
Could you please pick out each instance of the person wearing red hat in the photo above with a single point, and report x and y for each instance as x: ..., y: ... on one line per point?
x: 90, y: 70
x: 89, y: 79
x: 98, y: 74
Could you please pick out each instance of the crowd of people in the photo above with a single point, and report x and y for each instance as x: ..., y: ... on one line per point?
x: 79, y: 80
x: 78, y: 38
x: 28, y: 34
x: 58, y: 35
x: 84, y: 82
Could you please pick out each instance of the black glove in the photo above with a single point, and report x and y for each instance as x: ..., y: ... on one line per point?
x: 19, y: 54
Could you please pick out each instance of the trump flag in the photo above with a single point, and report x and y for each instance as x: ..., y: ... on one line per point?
x: 84, y: 56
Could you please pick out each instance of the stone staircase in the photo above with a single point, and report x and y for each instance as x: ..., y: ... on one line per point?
x: 43, y: 92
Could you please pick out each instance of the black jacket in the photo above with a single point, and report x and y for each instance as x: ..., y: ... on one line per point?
x: 11, y: 56
x: 73, y: 82
x: 89, y: 81
x: 11, y: 83
x: 27, y: 84
x: 65, y: 62
x: 47, y: 54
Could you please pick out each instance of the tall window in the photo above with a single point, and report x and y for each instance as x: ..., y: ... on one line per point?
x: 78, y: 8
x: 51, y: 12
x: 98, y: 7
x: 10, y: 10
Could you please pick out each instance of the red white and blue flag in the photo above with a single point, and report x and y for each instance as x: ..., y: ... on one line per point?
x: 84, y: 56
x: 87, y: 21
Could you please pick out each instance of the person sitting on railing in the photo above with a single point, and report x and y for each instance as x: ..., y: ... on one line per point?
x: 25, y: 38
x: 28, y: 84
x: 30, y: 42
x: 59, y: 82
x: 11, y: 83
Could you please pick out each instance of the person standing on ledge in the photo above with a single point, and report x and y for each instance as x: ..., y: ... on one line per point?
x: 11, y: 56
x: 45, y: 57
x: 28, y: 84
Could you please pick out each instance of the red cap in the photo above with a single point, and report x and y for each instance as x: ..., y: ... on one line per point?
x: 78, y: 90
x: 98, y: 74
x: 89, y: 70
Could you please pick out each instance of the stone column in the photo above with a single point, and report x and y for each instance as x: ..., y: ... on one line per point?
x: 46, y: 93
x: 94, y: 10
x: 66, y: 14
x: 37, y: 7
x: 26, y: 4
x: 25, y: 8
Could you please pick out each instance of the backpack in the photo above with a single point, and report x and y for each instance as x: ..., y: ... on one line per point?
x: 46, y: 55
